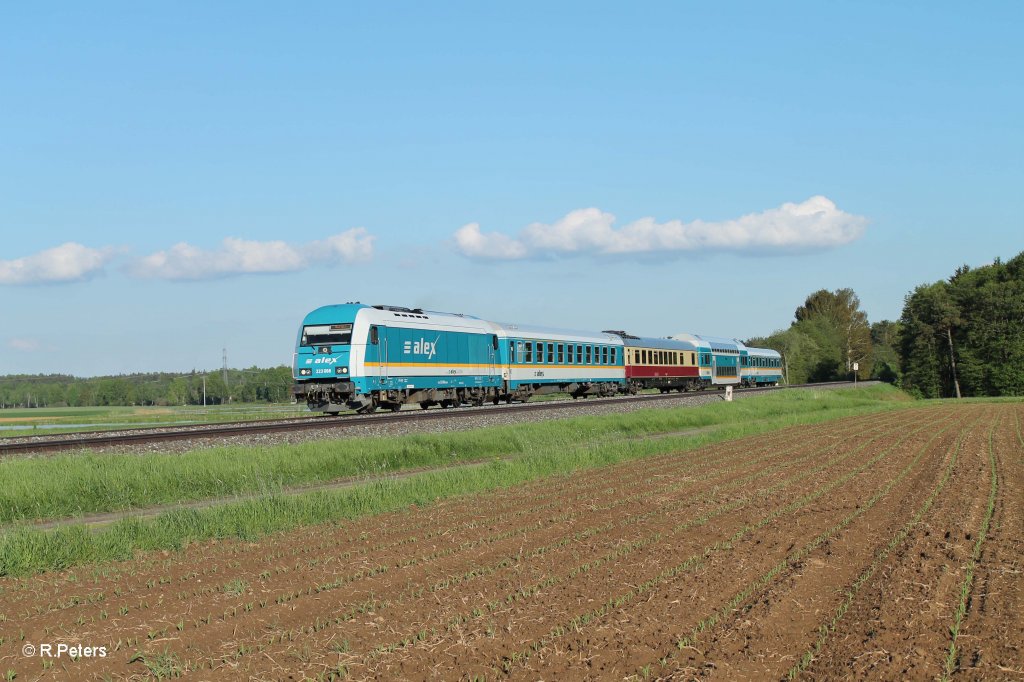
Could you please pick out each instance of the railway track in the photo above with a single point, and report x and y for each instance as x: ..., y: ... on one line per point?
x: 90, y: 439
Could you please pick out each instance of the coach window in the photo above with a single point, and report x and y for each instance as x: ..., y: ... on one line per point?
x: 529, y: 352
x: 587, y: 354
x: 614, y: 353
x: 551, y: 353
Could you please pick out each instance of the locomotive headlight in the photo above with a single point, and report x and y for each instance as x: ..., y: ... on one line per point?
x: 341, y: 370
x: 305, y: 372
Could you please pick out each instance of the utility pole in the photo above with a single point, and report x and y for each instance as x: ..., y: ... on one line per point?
x: 204, y: 390
x: 224, y: 376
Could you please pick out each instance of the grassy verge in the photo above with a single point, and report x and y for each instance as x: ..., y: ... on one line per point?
x: 57, y: 420
x: 54, y: 487
x: 67, y: 485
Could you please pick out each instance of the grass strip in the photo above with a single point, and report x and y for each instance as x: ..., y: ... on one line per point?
x: 26, y: 551
x: 66, y: 485
x: 826, y: 630
x: 953, y: 657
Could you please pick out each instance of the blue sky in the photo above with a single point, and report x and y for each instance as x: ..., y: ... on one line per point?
x: 177, y: 178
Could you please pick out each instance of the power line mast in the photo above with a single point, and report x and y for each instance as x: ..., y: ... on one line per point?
x: 224, y: 368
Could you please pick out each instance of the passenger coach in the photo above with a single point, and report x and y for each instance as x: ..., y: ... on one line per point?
x: 760, y: 366
x: 665, y: 364
x: 540, y: 360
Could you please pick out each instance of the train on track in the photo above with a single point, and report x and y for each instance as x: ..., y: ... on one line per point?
x: 368, y: 357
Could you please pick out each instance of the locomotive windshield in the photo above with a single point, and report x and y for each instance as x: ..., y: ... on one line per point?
x: 326, y: 334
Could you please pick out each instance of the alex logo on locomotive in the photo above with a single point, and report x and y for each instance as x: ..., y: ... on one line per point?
x: 422, y: 347
x: 321, y: 361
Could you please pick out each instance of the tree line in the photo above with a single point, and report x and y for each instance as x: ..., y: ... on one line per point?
x: 251, y: 385
x: 963, y: 336
x: 830, y: 337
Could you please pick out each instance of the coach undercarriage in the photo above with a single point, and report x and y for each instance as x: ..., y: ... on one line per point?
x: 336, y: 397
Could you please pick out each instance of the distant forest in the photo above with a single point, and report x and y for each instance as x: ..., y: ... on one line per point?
x: 56, y: 390
x: 963, y: 336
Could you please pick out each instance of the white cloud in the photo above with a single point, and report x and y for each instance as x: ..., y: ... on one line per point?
x: 238, y: 256
x: 814, y: 224
x: 494, y: 245
x: 69, y: 262
x: 23, y: 344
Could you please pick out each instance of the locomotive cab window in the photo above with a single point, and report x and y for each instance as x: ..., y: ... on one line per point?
x: 327, y: 335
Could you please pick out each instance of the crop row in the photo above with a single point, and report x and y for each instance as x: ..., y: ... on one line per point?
x: 953, y: 657
x: 726, y: 545
x: 826, y: 629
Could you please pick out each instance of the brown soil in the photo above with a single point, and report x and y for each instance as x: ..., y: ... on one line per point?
x: 829, y: 551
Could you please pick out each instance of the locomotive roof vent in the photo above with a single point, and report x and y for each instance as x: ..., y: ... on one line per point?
x: 619, y: 332
x: 399, y: 309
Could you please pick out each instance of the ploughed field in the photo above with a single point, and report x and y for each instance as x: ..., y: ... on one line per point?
x: 885, y: 546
